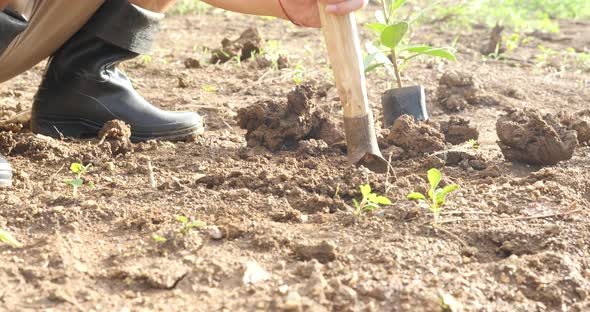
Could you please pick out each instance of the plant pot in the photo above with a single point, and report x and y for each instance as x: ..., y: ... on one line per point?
x: 403, y: 101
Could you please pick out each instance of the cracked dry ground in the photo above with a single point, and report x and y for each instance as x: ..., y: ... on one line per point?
x: 281, y: 233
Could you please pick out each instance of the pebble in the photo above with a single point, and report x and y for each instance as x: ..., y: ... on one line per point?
x: 293, y: 301
x: 214, y: 232
x: 254, y: 273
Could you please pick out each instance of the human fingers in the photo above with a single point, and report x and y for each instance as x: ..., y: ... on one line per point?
x: 340, y: 7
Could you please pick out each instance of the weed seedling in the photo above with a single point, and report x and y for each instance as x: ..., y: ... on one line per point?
x: 159, y: 238
x: 188, y: 225
x: 298, y: 74
x: 436, y: 195
x: 370, y: 201
x: 78, y: 170
x: 474, y: 144
x: 7, y: 238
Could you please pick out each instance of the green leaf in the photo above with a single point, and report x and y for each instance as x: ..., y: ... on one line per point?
x: 382, y: 200
x: 158, y: 238
x: 76, y: 182
x: 371, y: 197
x: 434, y: 177
x: 182, y: 219
x: 76, y: 168
x: 439, y: 197
x: 8, y: 239
x: 396, y: 5
x: 371, y: 207
x: 196, y: 224
x: 394, y: 34
x: 446, y: 53
x: 356, y: 203
x: 449, y: 188
x: 376, y: 54
x: 377, y: 28
x: 365, y: 190
x: 416, y: 196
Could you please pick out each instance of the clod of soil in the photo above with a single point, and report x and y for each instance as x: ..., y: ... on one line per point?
x: 580, y: 122
x: 458, y: 130
x: 35, y: 146
x: 530, y: 137
x: 494, y: 44
x: 248, y: 43
x: 280, y: 125
x: 416, y: 137
x: 459, y: 89
x: 116, y: 134
x: 324, y: 252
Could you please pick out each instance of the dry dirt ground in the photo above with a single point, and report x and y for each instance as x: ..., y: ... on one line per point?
x: 281, y: 234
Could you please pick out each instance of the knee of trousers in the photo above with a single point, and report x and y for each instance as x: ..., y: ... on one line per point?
x: 51, y: 24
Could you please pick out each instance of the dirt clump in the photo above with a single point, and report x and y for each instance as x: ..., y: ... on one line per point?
x: 34, y: 146
x: 528, y: 136
x: 458, y: 130
x: 280, y: 125
x: 324, y: 252
x: 459, y: 89
x: 250, y: 42
x: 116, y: 135
x: 580, y: 122
x: 416, y: 137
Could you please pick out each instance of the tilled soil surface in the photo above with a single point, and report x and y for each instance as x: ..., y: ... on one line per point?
x: 275, y: 191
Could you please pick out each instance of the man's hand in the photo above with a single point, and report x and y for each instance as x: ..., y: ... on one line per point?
x: 305, y: 12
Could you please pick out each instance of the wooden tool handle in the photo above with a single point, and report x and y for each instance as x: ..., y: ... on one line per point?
x: 344, y: 51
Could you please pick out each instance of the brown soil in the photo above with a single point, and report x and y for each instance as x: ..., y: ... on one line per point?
x: 533, y: 138
x: 244, y: 47
x: 281, y: 233
x: 282, y: 125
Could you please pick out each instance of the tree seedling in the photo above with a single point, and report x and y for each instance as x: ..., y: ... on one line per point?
x: 188, y: 225
x: 7, y: 238
x: 436, y: 195
x: 474, y: 143
x: 389, y: 49
x: 78, y: 170
x: 370, y: 201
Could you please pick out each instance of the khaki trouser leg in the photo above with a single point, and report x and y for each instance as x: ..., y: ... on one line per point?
x: 51, y: 24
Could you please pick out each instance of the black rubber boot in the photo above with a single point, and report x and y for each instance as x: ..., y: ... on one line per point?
x: 11, y: 24
x: 82, y: 88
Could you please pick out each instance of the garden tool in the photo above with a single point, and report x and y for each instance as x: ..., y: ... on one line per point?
x: 344, y: 52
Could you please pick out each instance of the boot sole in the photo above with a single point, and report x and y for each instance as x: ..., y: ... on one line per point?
x: 85, y: 129
x: 5, y: 175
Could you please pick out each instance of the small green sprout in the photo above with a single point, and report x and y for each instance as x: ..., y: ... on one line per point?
x: 436, y: 194
x: 209, y: 88
x: 79, y: 170
x: 474, y: 144
x: 7, y: 238
x: 370, y: 201
x: 159, y: 238
x: 298, y: 74
x: 188, y: 225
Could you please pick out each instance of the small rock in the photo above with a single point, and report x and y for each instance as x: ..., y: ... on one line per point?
x: 192, y: 63
x: 324, y: 252
x: 292, y: 302
x: 214, y: 232
x: 254, y: 273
